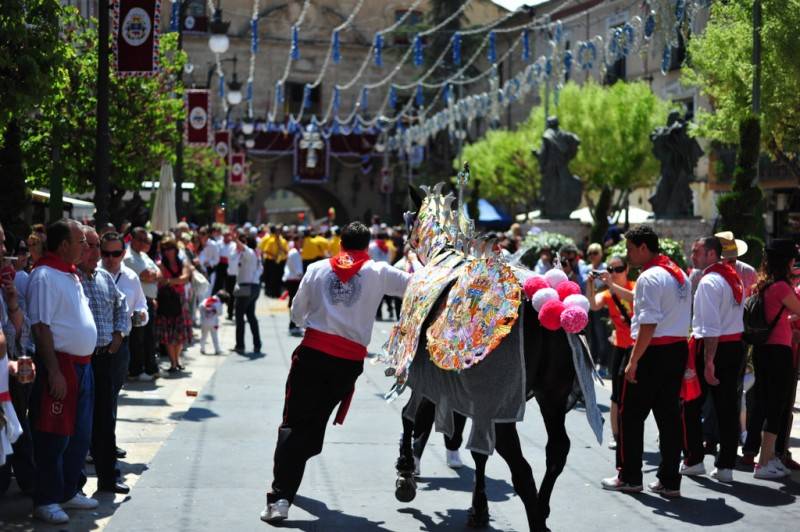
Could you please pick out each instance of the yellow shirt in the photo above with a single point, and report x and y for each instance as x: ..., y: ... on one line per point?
x: 314, y: 248
x: 274, y: 247
x: 335, y: 245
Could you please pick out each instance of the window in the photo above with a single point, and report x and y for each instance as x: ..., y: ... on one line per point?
x: 293, y: 99
x: 403, y: 34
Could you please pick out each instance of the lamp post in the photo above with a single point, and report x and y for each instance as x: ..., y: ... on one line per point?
x: 102, y: 154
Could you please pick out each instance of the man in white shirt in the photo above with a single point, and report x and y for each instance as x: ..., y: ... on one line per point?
x: 336, y: 303
x: 654, y: 374
x: 226, y: 251
x: 209, y: 259
x: 717, y: 346
x: 292, y: 275
x: 112, y: 250
x: 62, y: 399
x: 144, y: 364
x: 248, y: 282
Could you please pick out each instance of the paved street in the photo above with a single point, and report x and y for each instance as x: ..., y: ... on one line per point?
x: 212, y: 471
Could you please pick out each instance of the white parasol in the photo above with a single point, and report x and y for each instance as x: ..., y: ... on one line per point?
x: 164, y: 217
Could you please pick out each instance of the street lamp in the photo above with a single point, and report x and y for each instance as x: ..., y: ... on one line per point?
x: 248, y: 126
x: 219, y: 42
x: 234, y: 95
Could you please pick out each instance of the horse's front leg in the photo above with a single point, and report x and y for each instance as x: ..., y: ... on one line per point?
x: 508, y: 446
x: 479, y: 512
x: 556, y: 450
x: 405, y: 485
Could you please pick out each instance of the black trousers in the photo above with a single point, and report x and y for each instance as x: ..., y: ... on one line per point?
x: 659, y: 375
x: 728, y: 366
x: 775, y: 374
x: 104, y: 441
x: 246, y: 307
x: 317, y: 382
x: 291, y: 287
x: 230, y: 284
x: 222, y: 276
x: 423, y: 424
x: 143, y: 345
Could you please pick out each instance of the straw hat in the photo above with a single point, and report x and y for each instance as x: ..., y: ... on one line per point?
x: 731, y: 247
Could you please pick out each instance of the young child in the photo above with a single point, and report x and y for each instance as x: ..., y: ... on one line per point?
x: 210, y: 311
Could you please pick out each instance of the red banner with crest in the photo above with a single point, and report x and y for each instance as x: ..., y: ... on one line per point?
x: 198, y: 117
x: 238, y: 177
x: 136, y: 35
x: 222, y: 146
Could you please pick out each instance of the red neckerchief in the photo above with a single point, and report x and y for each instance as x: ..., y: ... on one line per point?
x: 382, y: 245
x: 666, y: 263
x: 57, y: 263
x: 347, y: 263
x: 728, y: 273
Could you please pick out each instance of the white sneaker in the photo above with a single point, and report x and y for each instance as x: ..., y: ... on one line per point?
x: 416, y: 466
x: 275, y: 511
x: 454, y: 459
x: 144, y: 377
x: 768, y: 471
x: 80, y: 502
x: 51, y: 513
x: 723, y: 475
x: 658, y: 488
x: 694, y: 470
x: 780, y: 465
x: 612, y: 444
x: 615, y: 484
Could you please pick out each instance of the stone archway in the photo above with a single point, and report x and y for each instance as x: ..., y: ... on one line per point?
x: 319, y: 200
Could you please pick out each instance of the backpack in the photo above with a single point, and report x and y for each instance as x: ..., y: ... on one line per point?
x: 756, y: 327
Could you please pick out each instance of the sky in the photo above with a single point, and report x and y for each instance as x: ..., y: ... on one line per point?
x: 514, y: 4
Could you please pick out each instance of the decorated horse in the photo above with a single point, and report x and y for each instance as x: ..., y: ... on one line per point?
x: 470, y: 342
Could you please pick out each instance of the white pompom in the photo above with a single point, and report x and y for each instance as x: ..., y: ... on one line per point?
x: 542, y: 296
x: 577, y: 300
x: 555, y: 277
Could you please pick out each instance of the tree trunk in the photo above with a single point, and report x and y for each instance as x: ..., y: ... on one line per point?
x: 56, y: 206
x: 102, y: 157
x: 600, y: 215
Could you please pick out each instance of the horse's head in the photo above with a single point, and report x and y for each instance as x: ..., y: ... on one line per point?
x: 434, y: 225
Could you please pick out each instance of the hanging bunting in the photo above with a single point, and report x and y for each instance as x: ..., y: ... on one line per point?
x: 526, y: 46
x: 335, y: 48
x: 295, y: 53
x: 254, y: 35
x: 335, y: 104
x: 492, y: 48
x: 174, y: 16
x: 448, y: 94
x: 249, y: 96
x: 238, y: 178
x: 221, y: 89
x: 420, y: 97
x: 364, y: 99
x: 222, y: 146
x: 279, y: 92
x: 393, y: 98
x: 306, y: 96
x: 136, y: 36
x: 378, y: 50
x: 418, y: 58
x: 197, y: 127
x: 457, y: 49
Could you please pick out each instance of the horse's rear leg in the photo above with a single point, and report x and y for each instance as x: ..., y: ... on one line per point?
x: 405, y: 485
x: 509, y: 448
x: 479, y: 512
x: 556, y: 450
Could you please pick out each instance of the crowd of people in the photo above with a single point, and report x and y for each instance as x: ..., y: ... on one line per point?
x: 96, y: 306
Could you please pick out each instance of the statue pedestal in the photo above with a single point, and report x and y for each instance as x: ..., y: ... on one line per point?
x: 575, y: 229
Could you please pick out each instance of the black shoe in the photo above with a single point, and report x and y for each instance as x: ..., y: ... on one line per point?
x: 239, y: 350
x: 115, y: 487
x: 121, y: 453
x: 257, y: 349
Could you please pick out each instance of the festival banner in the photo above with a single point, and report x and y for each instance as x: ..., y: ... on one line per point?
x: 222, y: 145
x: 237, y: 175
x: 136, y: 35
x: 198, y: 117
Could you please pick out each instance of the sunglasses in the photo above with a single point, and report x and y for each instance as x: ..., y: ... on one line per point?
x: 116, y: 254
x: 618, y: 269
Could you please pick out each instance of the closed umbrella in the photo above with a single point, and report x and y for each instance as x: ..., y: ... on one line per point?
x: 164, y: 217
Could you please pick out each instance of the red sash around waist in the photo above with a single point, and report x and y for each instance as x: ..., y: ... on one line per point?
x: 58, y: 416
x: 5, y: 396
x: 334, y: 345
x: 667, y: 340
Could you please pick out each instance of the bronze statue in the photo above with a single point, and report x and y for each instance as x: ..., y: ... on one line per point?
x: 561, y: 191
x: 678, y: 154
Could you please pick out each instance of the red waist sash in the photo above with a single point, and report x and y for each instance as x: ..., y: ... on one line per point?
x: 58, y: 416
x: 334, y: 345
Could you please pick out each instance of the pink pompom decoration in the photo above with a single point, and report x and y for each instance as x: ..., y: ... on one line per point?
x: 567, y: 288
x: 533, y: 284
x: 577, y: 300
x: 543, y: 296
x: 574, y: 319
x: 555, y: 277
x: 550, y: 315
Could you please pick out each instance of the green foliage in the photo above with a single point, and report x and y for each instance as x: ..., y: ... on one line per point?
x: 614, y: 125
x: 30, y: 52
x: 720, y: 66
x: 669, y: 247
x: 143, y: 111
x: 534, y: 243
x: 203, y: 167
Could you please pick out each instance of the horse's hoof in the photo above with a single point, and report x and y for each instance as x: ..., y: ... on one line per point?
x: 405, y: 488
x: 478, y: 519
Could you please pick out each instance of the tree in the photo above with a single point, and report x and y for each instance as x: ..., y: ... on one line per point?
x: 720, y: 65
x: 143, y: 111
x: 614, y: 125
x: 203, y: 167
